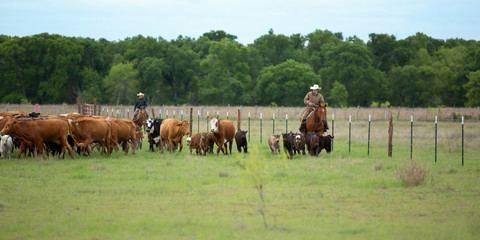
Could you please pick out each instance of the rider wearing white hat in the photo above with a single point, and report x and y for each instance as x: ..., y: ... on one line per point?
x: 312, y: 100
x: 139, y: 104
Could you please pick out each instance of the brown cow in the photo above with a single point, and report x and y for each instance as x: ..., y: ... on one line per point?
x: 36, y: 133
x: 210, y: 141
x: 273, y: 142
x: 86, y: 131
x: 13, y: 113
x: 123, y: 131
x: 172, y: 131
x: 224, y: 132
x: 198, y: 142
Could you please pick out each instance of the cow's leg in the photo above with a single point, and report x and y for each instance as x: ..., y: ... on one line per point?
x: 132, y: 144
x: 220, y: 146
x: 171, y: 146
x: 181, y: 146
x: 70, y: 150
x: 40, y: 149
x: 230, y: 147
x: 20, y: 150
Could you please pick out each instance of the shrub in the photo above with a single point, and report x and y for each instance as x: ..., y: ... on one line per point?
x: 413, y: 174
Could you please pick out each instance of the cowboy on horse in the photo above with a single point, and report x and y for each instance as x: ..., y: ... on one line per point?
x: 139, y: 104
x: 313, y: 99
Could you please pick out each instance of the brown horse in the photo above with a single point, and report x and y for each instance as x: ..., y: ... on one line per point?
x: 141, y: 118
x: 317, y: 121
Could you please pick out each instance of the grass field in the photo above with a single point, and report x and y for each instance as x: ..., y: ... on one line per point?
x: 178, y: 196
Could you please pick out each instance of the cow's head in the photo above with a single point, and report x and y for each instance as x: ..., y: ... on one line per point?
x: 189, y: 140
x: 185, y: 126
x: 298, y: 138
x: 149, y: 123
x: 214, y: 125
x: 9, y: 127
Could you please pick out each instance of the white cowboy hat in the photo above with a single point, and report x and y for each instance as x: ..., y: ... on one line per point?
x: 315, y: 87
x: 140, y: 94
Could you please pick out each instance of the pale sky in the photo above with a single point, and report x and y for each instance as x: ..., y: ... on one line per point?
x: 116, y: 20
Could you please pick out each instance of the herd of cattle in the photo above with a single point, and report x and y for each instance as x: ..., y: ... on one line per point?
x: 53, y: 134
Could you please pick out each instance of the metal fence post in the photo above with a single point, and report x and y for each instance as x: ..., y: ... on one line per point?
x: 273, y: 119
x: 411, y: 137
x: 249, y: 126
x: 207, y: 120
x: 435, y: 138
x: 198, y: 121
x: 369, y: 119
x: 260, y: 127
x: 333, y: 129
x: 462, y: 140
x: 349, y: 132
x: 286, y: 122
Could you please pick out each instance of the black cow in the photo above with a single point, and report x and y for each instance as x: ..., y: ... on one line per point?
x: 241, y: 140
x: 153, y: 130
x: 299, y: 143
x: 34, y: 114
x: 326, y: 143
x: 288, y: 144
x: 313, y: 143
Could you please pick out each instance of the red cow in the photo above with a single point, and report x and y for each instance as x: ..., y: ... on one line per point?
x: 224, y: 132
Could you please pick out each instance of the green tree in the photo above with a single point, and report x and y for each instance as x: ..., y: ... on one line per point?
x: 338, y: 95
x: 121, y: 84
x: 382, y: 46
x: 225, y: 75
x: 350, y: 63
x: 472, y: 88
x: 285, y: 84
x: 152, y: 82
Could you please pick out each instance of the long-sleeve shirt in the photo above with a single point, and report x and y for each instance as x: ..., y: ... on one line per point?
x: 140, y: 103
x: 315, y: 99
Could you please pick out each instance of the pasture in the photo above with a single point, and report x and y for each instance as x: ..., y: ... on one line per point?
x: 345, y: 194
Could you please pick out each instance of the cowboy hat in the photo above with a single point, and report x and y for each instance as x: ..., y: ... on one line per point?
x: 315, y: 87
x: 140, y: 94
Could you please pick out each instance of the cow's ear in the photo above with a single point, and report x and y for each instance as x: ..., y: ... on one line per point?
x: 179, y: 124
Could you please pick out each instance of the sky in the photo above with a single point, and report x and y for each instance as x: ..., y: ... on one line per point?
x: 116, y: 20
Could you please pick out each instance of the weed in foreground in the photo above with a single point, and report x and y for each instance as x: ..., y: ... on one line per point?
x: 256, y: 174
x: 413, y: 174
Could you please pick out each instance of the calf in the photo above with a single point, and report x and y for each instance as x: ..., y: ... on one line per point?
x: 299, y: 143
x: 325, y: 143
x: 288, y: 144
x: 241, y: 140
x: 197, y: 141
x: 224, y: 132
x: 153, y: 130
x: 273, y: 142
x: 6, y: 146
x: 209, y: 142
x: 313, y: 143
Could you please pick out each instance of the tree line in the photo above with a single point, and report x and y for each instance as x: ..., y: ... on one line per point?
x: 215, y: 69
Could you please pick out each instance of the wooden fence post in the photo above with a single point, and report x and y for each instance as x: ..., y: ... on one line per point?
x: 390, y: 135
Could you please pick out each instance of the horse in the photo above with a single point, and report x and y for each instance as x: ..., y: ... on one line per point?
x: 317, y: 121
x: 141, y: 118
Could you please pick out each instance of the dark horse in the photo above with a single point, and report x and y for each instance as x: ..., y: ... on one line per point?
x: 316, y: 122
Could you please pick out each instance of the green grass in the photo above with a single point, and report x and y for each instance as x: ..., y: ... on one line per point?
x: 177, y: 196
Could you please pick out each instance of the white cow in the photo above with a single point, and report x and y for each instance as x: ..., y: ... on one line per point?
x: 6, y: 146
